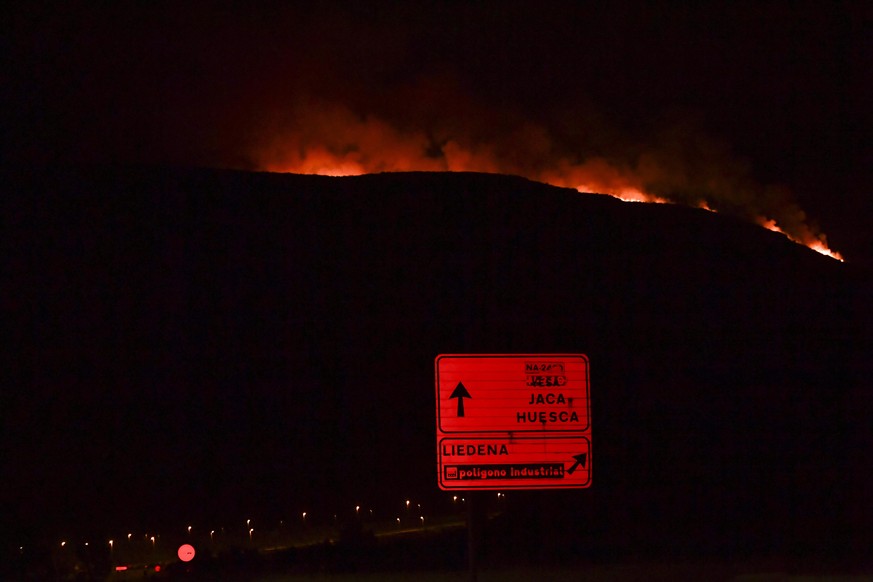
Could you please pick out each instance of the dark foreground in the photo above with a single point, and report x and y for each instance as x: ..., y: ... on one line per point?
x: 436, y: 553
x: 197, y: 347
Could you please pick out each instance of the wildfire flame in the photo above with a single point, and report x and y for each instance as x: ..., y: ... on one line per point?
x: 332, y: 141
x: 817, y: 245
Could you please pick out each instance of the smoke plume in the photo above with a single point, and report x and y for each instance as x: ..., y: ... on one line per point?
x: 569, y: 95
x: 443, y: 130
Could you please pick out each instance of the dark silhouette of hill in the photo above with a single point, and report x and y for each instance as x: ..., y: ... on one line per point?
x: 204, y: 345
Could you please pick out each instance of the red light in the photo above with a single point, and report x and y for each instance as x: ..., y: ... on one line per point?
x: 120, y: 568
x: 157, y: 567
x: 186, y: 552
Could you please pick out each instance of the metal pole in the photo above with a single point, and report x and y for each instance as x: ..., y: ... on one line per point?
x: 471, y: 535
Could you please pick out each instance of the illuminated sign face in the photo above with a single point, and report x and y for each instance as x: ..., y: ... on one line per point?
x: 513, y: 421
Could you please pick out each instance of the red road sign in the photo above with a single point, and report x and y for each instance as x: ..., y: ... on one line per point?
x: 513, y: 421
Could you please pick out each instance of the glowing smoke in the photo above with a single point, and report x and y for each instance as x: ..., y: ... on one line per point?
x: 570, y: 95
x: 680, y: 166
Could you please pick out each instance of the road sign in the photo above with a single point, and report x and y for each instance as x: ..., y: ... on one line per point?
x: 513, y: 421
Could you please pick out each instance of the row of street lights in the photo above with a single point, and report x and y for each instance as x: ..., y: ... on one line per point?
x: 111, y: 543
x: 303, y: 515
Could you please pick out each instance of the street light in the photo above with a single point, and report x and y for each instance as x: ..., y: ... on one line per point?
x: 189, y: 529
x: 304, y: 517
x: 212, y: 536
x: 250, y: 534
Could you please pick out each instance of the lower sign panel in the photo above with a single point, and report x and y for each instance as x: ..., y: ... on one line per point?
x: 529, y: 462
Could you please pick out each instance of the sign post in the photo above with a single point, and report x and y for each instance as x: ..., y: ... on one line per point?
x: 513, y: 421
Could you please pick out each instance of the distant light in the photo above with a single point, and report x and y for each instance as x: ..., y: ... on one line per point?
x: 157, y: 567
x: 129, y: 536
x: 186, y: 552
x: 189, y: 529
x: 120, y: 568
x: 63, y: 544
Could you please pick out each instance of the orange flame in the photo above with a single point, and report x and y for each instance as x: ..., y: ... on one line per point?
x: 818, y: 244
x: 332, y: 141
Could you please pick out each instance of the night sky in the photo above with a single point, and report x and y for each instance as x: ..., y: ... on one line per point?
x: 210, y: 345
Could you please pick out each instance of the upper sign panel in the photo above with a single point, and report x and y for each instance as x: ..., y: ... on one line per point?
x: 515, y: 393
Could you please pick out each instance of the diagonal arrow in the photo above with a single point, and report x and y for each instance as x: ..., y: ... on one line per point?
x: 580, y: 460
x: 460, y: 393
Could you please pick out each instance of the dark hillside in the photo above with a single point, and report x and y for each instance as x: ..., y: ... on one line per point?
x: 203, y: 345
